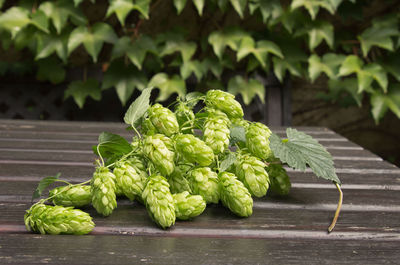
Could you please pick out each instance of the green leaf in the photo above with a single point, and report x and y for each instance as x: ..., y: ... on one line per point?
x: 179, y: 5
x: 168, y: 86
x: 329, y: 64
x: 348, y: 85
x: 43, y: 184
x: 229, y: 160
x: 40, y: 20
x: 230, y: 37
x: 189, y: 67
x: 382, y: 102
x: 237, y: 134
x: 239, y: 6
x: 301, y: 150
x: 14, y: 19
x: 199, y: 4
x: 50, y: 69
x: 270, y: 9
x: 247, y: 88
x: 259, y: 50
x: 193, y: 97
x: 92, y: 39
x: 48, y: 44
x: 376, y: 72
x: 59, y: 12
x: 122, y: 8
x: 352, y: 64
x: 214, y: 65
x: 112, y: 144
x: 187, y: 49
x: 392, y: 65
x: 80, y: 90
x: 319, y: 32
x: 313, y: 6
x: 380, y: 34
x: 138, y: 107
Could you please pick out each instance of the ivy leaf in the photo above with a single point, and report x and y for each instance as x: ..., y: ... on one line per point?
x: 270, y: 9
x: 40, y: 20
x: 199, y: 4
x: 301, y: 150
x: 59, y: 12
x: 43, y: 184
x: 237, y: 134
x: 112, y: 144
x: 138, y: 107
x: 352, y: 64
x: 392, y: 65
x: 259, y: 50
x: 382, y: 102
x: 319, y: 32
x: 48, y: 44
x: 216, y: 67
x: 80, y: 90
x: 222, y: 4
x: 230, y: 37
x: 239, y: 6
x: 187, y: 49
x: 92, y: 39
x: 122, y: 8
x: 329, y: 64
x: 380, y: 34
x: 247, y: 88
x: 313, y: 6
x: 348, y: 85
x: 14, y: 19
x: 195, y: 67
x: 179, y: 5
x: 168, y: 86
x: 50, y: 69
x: 125, y: 79
x: 229, y: 160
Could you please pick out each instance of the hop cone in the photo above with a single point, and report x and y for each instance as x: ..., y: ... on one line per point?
x: 224, y: 102
x: 163, y: 120
x: 147, y: 127
x: 216, y: 131
x: 76, y: 196
x: 46, y: 219
x: 257, y: 139
x: 138, y: 164
x: 177, y: 181
x: 203, y: 181
x: 103, y: 191
x: 188, y: 206
x: 234, y: 195
x: 193, y: 149
x: 159, y: 149
x: 130, y: 180
x: 280, y: 181
x: 185, y: 117
x: 240, y: 122
x: 159, y: 202
x: 250, y: 170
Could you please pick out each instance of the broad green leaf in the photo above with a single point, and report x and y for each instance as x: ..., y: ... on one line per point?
x: 59, y: 12
x: 49, y: 44
x: 283, y: 65
x: 348, y: 85
x: 313, y: 6
x: 352, y: 64
x: 247, y: 88
x: 229, y: 160
x: 168, y: 86
x: 92, y: 39
x: 214, y: 65
x: 125, y: 79
x: 319, y: 32
x: 329, y: 64
x: 179, y: 5
x: 2, y: 3
x: 40, y: 20
x: 195, y: 67
x: 379, y: 34
x: 300, y: 150
x: 138, y: 107
x: 14, y: 19
x: 187, y: 49
x: 376, y: 72
x: 270, y: 9
x: 122, y: 8
x: 199, y: 4
x: 80, y: 90
x: 112, y: 144
x: 382, y: 102
x: 237, y: 134
x: 230, y: 37
x: 50, y: 69
x: 259, y: 50
x: 239, y: 6
x: 193, y: 98
x: 223, y: 5
x: 43, y: 184
x: 392, y: 65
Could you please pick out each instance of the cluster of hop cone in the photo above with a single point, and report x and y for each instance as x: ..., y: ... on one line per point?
x: 174, y: 169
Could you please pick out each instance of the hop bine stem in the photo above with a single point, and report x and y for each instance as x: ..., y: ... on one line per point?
x: 339, y: 206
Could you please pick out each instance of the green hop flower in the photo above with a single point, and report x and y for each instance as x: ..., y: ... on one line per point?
x: 280, y: 181
x: 159, y: 202
x: 234, y: 195
x: 46, y: 219
x: 203, y: 181
x: 177, y: 181
x: 163, y: 120
x: 250, y: 170
x: 257, y: 140
x: 193, y: 149
x: 103, y: 191
x: 138, y: 163
x: 130, y: 180
x: 188, y: 206
x: 240, y: 122
x: 216, y: 131
x: 185, y: 116
x: 225, y: 102
x: 159, y: 149
x: 77, y: 196
x: 147, y: 127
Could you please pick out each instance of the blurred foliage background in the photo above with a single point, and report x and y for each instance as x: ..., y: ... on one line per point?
x: 342, y: 56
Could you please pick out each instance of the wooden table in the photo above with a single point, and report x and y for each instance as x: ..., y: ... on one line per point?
x: 280, y: 231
